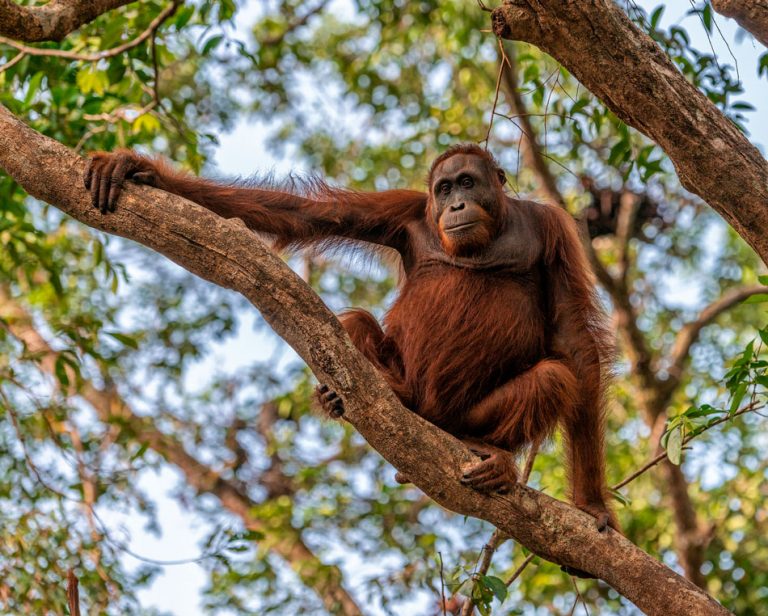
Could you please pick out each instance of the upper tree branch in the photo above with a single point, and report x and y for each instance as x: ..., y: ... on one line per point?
x: 630, y: 73
x: 52, y: 21
x: 752, y: 15
x: 225, y: 252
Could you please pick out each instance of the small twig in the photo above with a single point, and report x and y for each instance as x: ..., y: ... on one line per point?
x: 15, y: 60
x: 155, y: 71
x: 520, y: 569
x: 442, y: 583
x: 529, y: 462
x: 578, y: 597
x: 489, y: 549
x: 495, y: 98
x: 101, y: 55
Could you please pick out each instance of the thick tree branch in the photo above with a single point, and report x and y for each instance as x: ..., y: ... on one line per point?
x: 52, y: 21
x: 287, y: 543
x: 224, y: 252
x: 752, y: 15
x: 630, y: 73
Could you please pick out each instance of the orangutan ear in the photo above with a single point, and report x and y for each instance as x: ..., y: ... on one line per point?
x: 502, y: 176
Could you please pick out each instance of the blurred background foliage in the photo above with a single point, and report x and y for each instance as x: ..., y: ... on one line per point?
x: 115, y: 365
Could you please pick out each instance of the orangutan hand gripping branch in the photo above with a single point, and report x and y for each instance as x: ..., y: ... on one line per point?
x: 496, y: 336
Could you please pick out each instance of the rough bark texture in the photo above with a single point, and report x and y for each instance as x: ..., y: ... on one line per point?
x: 52, y: 21
x: 225, y: 252
x: 287, y: 542
x: 630, y: 73
x: 752, y: 15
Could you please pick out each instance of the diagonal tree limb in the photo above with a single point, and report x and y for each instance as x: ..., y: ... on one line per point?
x: 52, y: 21
x: 630, y: 73
x: 225, y: 252
x: 287, y: 543
x: 752, y: 15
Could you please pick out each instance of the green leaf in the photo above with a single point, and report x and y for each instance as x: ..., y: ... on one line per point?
x: 738, y: 396
x: 91, y: 79
x: 253, y: 535
x: 702, y: 411
x: 60, y: 369
x: 656, y: 16
x: 579, y: 105
x: 128, y: 341
x: 141, y: 451
x: 33, y: 87
x: 624, y: 500
x: 211, y: 44
x: 762, y: 380
x: 146, y: 123
x: 706, y: 17
x: 675, y: 446
x: 759, y: 298
x: 496, y: 586
x: 617, y: 152
x: 763, y: 67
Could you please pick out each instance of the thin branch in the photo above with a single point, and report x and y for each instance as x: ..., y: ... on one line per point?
x: 531, y: 150
x: 442, y: 584
x: 489, y: 549
x: 13, y: 61
x: 520, y: 569
x: 495, y: 99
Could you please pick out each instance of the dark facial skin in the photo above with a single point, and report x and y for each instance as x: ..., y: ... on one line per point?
x: 467, y: 203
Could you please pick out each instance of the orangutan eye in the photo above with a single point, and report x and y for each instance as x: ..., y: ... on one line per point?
x: 467, y: 182
x: 444, y: 188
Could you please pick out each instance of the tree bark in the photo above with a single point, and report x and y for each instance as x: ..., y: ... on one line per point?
x: 52, y: 21
x: 630, y: 73
x: 752, y: 15
x: 225, y: 252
